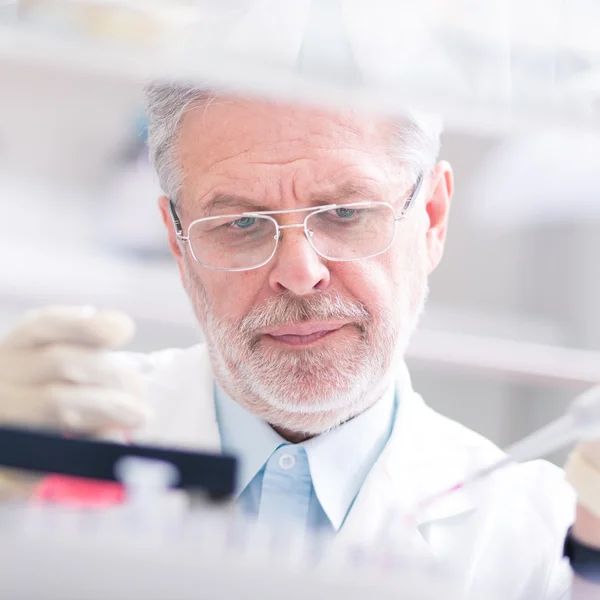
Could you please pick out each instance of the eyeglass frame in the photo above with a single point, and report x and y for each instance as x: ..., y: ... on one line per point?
x: 279, y: 228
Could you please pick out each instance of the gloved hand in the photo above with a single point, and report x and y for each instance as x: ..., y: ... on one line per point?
x: 56, y: 371
x: 583, y: 473
x: 590, y: 451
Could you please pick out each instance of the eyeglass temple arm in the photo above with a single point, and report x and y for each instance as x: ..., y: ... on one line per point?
x: 410, y: 200
x: 176, y: 220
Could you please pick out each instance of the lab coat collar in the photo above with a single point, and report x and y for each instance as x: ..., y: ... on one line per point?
x: 421, y: 459
x: 341, y: 459
x: 185, y: 377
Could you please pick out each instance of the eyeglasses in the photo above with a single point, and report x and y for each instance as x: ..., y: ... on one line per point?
x: 336, y: 232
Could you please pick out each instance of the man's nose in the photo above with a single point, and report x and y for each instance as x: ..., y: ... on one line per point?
x: 296, y: 266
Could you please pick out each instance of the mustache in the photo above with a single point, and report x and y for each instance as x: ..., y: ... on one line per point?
x: 288, y: 308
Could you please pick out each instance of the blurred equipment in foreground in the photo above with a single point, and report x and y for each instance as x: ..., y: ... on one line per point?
x: 149, y: 546
x: 485, y: 67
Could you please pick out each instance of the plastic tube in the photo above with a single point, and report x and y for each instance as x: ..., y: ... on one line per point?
x: 581, y: 422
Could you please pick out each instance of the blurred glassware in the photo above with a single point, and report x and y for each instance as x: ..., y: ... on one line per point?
x: 137, y: 22
x: 204, y: 554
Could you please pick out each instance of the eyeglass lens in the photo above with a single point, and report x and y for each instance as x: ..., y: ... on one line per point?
x: 346, y: 233
x: 341, y: 233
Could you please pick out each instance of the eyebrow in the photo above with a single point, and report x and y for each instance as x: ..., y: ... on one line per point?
x: 232, y: 202
x: 346, y: 192
x: 342, y: 195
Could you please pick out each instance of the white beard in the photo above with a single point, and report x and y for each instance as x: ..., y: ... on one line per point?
x: 312, y: 390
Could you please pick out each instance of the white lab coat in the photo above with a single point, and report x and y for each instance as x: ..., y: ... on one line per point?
x: 504, y: 536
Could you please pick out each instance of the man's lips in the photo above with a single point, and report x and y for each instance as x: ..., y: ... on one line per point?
x: 303, y: 333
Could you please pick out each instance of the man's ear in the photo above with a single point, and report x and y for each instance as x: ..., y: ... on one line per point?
x: 438, y: 208
x: 174, y: 244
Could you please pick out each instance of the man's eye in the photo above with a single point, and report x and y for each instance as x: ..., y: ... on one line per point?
x: 243, y: 223
x: 345, y: 213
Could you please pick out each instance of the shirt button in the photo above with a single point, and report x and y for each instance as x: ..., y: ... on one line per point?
x: 287, y: 461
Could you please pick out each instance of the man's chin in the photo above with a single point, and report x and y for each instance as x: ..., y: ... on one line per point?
x: 312, y: 372
x: 311, y: 414
x: 305, y: 385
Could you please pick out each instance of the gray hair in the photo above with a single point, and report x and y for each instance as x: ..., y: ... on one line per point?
x: 418, y: 137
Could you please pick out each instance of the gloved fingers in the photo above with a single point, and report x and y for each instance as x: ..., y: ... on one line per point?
x: 71, y: 324
x: 85, y: 409
x: 92, y: 409
x: 591, y: 452
x: 70, y: 364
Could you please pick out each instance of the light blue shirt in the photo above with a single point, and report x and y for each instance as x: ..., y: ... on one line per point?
x: 311, y: 485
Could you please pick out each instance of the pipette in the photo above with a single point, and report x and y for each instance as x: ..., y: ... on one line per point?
x: 581, y: 422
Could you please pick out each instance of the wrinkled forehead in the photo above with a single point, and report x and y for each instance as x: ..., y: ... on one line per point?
x: 278, y: 155
x: 256, y: 131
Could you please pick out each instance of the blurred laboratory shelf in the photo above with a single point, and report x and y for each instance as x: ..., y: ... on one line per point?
x: 521, y: 74
x: 480, y: 355
x: 150, y: 291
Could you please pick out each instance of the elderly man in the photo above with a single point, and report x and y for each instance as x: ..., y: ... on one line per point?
x: 305, y: 239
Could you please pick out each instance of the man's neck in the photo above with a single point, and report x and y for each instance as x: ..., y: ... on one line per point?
x: 294, y: 437
x: 297, y: 437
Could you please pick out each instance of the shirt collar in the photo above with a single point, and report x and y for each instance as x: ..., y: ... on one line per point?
x: 245, y: 436
x: 341, y: 459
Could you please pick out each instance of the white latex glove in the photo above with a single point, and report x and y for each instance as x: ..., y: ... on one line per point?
x: 591, y: 452
x: 583, y: 472
x: 56, y: 371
